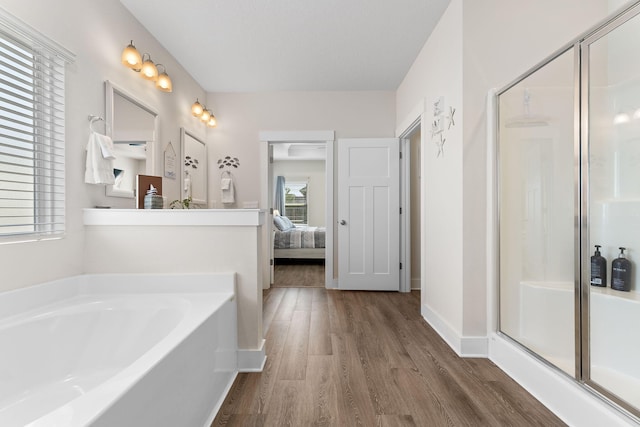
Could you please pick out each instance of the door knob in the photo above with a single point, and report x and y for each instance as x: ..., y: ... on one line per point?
x: 343, y: 222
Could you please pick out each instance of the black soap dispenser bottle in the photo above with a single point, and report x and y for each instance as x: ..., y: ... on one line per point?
x: 621, y: 273
x: 598, y: 269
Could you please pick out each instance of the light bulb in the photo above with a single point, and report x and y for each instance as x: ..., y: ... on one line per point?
x: 164, y: 82
x: 621, y: 118
x: 149, y: 70
x: 212, y: 122
x: 206, y: 115
x: 197, y: 109
x: 131, y: 57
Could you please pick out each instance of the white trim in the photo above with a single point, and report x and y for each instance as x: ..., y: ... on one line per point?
x: 329, y: 209
x: 570, y: 401
x: 187, y: 217
x: 265, y: 203
x: 415, y: 284
x: 220, y: 401
x: 463, y: 346
x: 297, y: 136
x: 407, y: 127
x: 405, y: 218
x: 252, y: 360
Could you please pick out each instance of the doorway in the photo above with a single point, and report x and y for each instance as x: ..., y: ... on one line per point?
x: 298, y: 173
x: 298, y: 144
x: 411, y: 243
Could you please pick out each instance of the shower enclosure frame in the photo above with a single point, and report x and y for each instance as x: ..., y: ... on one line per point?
x: 581, y: 293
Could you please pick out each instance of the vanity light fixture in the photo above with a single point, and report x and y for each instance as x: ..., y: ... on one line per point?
x: 201, y: 112
x: 131, y: 58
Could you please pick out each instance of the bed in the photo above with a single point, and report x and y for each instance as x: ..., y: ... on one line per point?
x: 297, y: 242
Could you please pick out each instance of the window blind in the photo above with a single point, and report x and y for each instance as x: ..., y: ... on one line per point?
x: 296, y: 201
x: 32, y: 119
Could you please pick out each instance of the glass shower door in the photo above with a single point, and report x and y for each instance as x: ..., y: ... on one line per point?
x: 536, y: 168
x: 611, y: 76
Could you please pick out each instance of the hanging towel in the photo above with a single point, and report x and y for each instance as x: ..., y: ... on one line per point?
x: 99, y: 167
x: 226, y: 185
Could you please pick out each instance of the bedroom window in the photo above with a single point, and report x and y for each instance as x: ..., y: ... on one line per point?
x: 295, y: 202
x: 32, y: 202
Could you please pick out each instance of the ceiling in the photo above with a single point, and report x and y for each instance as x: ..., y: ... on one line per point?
x: 291, y: 45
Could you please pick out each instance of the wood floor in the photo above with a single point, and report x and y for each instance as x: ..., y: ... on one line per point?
x: 298, y: 274
x: 344, y: 358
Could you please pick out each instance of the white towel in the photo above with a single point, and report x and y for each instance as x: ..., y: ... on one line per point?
x: 226, y: 185
x: 106, y: 145
x: 99, y: 166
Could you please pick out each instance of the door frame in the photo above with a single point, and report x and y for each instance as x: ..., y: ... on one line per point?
x: 412, y: 123
x: 266, y: 157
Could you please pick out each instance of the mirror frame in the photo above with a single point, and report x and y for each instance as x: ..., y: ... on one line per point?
x: 185, y: 137
x: 110, y: 91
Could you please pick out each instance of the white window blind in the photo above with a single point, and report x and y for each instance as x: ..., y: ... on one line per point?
x: 295, y: 201
x: 32, y: 116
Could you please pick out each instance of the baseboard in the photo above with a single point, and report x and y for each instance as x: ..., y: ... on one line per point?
x: 463, y: 346
x: 220, y: 401
x: 252, y: 360
x: 415, y: 284
x: 569, y: 400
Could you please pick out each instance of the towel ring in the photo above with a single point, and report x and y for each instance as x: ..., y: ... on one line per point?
x: 93, y: 119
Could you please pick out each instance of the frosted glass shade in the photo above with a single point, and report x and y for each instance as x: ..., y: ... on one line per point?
x: 131, y: 57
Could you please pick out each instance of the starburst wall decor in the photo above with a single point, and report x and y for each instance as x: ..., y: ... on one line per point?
x: 438, y: 124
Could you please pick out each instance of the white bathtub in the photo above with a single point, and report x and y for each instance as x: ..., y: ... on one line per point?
x: 547, y: 327
x: 117, y: 350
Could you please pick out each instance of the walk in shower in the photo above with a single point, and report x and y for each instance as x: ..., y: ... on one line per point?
x: 568, y: 147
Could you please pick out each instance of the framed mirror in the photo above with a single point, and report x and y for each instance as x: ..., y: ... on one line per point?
x: 194, y: 167
x: 133, y: 127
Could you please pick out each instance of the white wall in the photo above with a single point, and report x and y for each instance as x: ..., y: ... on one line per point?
x: 476, y: 46
x: 311, y: 171
x: 241, y: 116
x: 96, y: 32
x: 437, y: 72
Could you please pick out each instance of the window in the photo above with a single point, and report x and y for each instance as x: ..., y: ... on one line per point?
x: 295, y: 202
x: 32, y: 191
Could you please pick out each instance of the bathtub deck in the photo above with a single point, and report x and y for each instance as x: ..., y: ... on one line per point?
x: 349, y: 358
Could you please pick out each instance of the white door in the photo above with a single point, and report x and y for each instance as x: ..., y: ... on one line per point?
x: 369, y: 214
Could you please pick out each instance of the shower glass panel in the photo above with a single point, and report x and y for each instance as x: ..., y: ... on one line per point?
x: 537, y: 205
x: 614, y: 209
